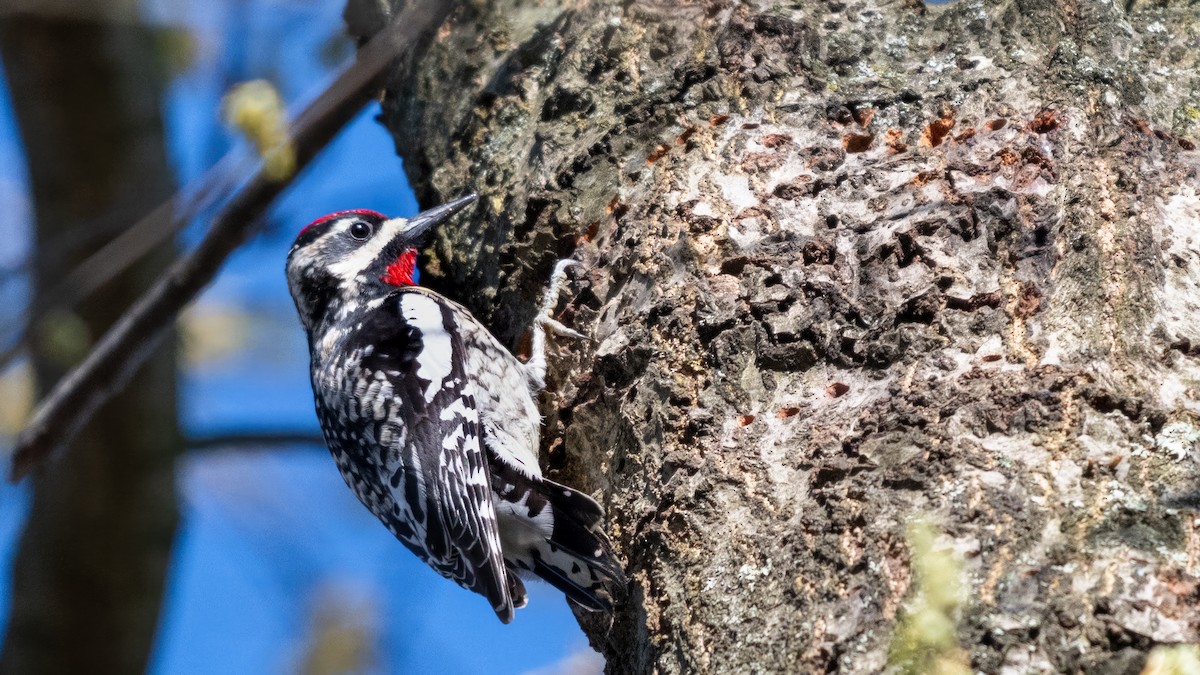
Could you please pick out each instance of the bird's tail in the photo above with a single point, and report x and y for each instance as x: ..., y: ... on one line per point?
x: 577, y: 558
x: 554, y: 532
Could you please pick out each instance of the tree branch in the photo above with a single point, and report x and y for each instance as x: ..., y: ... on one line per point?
x: 126, y: 248
x: 250, y: 440
x: 127, y: 344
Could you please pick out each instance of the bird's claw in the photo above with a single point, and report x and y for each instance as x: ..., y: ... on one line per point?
x: 558, y: 328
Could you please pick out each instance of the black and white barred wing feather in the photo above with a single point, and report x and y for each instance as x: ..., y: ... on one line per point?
x: 435, y: 466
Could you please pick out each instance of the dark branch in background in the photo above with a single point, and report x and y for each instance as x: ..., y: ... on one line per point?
x: 125, y: 347
x: 126, y: 248
x: 254, y: 439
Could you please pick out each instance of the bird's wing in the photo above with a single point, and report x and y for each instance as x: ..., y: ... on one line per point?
x: 435, y: 465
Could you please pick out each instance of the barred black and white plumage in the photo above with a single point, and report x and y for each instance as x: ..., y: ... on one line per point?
x: 431, y: 421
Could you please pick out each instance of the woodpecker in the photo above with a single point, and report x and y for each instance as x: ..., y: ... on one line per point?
x: 432, y: 422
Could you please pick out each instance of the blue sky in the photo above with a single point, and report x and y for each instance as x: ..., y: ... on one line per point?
x: 269, y: 538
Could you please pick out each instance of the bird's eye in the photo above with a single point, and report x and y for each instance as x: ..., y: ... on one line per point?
x: 361, y: 230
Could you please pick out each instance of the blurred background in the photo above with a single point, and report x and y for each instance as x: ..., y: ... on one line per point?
x: 198, y: 526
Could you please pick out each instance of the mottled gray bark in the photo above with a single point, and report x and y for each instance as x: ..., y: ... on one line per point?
x: 846, y: 264
x: 88, y: 578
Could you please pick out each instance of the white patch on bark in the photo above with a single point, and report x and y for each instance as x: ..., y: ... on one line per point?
x: 736, y: 190
x: 1181, y: 439
x: 1181, y: 306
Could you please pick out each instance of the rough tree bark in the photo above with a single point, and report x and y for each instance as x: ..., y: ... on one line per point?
x: 86, y: 82
x: 847, y: 263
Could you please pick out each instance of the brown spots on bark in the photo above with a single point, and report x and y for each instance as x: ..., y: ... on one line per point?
x: 1145, y: 128
x: 616, y: 208
x: 1007, y: 156
x: 924, y: 177
x: 588, y: 234
x: 718, y: 120
x: 682, y: 139
x: 758, y: 162
x: 836, y: 389
x: 1045, y: 122
x: 936, y: 132
x: 974, y: 302
x: 755, y: 212
x: 764, y: 161
x: 785, y: 413
x: 964, y: 135
x: 864, y: 116
x: 1114, y: 461
x: 818, y: 252
x: 776, y: 140
x: 995, y: 125
x: 893, y: 139
x: 1032, y: 155
x: 745, y: 420
x: 658, y: 153
x: 857, y: 142
x: 1028, y: 301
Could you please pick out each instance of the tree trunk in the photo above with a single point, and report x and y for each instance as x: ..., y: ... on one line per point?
x: 89, y: 574
x: 846, y: 265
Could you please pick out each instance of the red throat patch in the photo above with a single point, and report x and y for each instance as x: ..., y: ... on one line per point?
x: 400, y: 273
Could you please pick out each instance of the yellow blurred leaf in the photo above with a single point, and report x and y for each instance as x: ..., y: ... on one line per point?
x: 257, y: 110
x: 926, y: 637
x: 344, y: 635
x: 210, y: 334
x: 16, y: 391
x: 1176, y: 660
x: 63, y: 338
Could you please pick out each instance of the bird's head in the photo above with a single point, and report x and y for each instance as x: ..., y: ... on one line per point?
x: 346, y: 259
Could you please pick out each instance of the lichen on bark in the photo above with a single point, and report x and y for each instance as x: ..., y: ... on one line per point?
x: 846, y: 264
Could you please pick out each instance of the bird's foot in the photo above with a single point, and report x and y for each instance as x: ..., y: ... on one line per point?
x: 558, y: 279
x: 545, y: 323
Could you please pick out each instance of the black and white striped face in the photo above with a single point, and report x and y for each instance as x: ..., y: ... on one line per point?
x: 345, y: 259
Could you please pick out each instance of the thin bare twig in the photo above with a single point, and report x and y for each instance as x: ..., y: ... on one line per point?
x: 126, y: 248
x: 254, y: 440
x: 130, y: 341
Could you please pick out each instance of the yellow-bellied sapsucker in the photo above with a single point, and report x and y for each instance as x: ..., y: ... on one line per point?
x: 432, y: 421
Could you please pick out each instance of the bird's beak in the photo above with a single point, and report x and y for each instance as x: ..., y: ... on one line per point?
x: 418, y: 225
